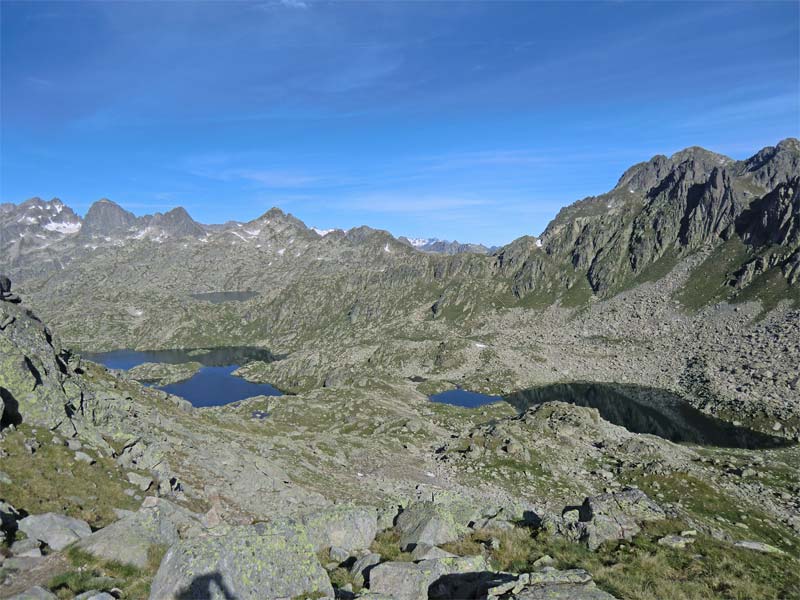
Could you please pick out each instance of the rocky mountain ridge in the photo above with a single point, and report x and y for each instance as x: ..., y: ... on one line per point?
x: 678, y: 244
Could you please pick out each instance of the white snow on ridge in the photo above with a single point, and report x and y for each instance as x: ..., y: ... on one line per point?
x: 63, y: 227
x: 322, y: 232
x: 419, y: 242
x: 538, y: 243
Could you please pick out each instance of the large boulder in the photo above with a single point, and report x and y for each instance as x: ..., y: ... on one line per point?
x: 432, y: 524
x: 263, y: 561
x: 35, y: 593
x: 412, y: 581
x: 344, y: 526
x: 157, y: 523
x: 614, y: 516
x: 57, y: 531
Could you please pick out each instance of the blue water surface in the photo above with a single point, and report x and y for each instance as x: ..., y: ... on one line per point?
x: 213, y: 385
x: 464, y: 398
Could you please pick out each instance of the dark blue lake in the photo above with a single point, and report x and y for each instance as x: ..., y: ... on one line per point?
x: 213, y: 385
x: 464, y: 398
x: 639, y: 409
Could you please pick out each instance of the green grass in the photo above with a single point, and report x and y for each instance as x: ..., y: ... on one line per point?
x: 708, y: 281
x: 709, y: 504
x: 645, y: 570
x: 51, y: 480
x: 769, y: 288
x: 387, y: 544
x: 92, y: 573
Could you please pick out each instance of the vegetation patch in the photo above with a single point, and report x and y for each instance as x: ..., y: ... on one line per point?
x: 51, y: 480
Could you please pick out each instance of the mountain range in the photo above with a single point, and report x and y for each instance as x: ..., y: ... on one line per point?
x: 683, y: 235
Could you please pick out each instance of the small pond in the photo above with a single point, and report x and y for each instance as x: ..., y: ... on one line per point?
x: 213, y: 385
x: 637, y: 408
x: 465, y: 398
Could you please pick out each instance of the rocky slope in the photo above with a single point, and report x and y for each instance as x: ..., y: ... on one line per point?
x: 685, y: 275
x: 364, y: 491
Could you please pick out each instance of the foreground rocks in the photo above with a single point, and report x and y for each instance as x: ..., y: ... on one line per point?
x: 130, y: 540
x: 275, y: 560
x: 606, y: 517
x: 57, y: 531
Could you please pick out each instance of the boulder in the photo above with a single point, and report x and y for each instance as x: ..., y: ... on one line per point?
x: 35, y: 593
x: 141, y: 481
x: 128, y: 541
x: 614, y: 516
x: 675, y: 541
x: 427, y: 552
x: 362, y: 567
x: 94, y: 595
x: 27, y: 548
x: 412, y: 581
x: 344, y: 526
x: 431, y: 524
x: 548, y: 584
x: 275, y: 560
x: 758, y: 547
x: 57, y: 531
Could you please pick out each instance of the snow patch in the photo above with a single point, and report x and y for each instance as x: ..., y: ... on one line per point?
x: 321, y: 232
x: 386, y: 247
x: 281, y: 251
x: 538, y: 243
x: 479, y: 345
x: 63, y: 227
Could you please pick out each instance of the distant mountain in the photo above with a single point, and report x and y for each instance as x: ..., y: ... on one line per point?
x: 106, y: 219
x: 34, y: 225
x: 438, y: 246
x: 732, y: 226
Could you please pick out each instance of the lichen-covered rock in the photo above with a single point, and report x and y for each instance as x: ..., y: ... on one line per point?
x: 259, y: 562
x: 128, y: 541
x: 412, y: 581
x: 615, y: 516
x: 432, y: 524
x: 344, y: 526
x: 362, y: 567
x: 57, y: 531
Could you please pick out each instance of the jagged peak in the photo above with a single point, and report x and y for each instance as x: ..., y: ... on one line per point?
x: 699, y: 153
x: 791, y: 144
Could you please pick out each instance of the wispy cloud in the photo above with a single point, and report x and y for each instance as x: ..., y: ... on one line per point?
x: 294, y: 4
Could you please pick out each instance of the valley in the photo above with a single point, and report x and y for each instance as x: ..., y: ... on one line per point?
x: 188, y: 391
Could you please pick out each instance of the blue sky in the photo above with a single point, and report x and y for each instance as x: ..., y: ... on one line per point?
x: 467, y: 120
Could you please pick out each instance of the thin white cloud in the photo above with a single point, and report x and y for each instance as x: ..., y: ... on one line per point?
x: 294, y: 4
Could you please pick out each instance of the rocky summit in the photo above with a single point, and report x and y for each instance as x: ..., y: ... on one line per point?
x: 637, y: 436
